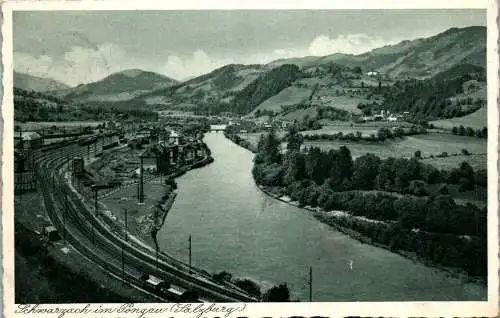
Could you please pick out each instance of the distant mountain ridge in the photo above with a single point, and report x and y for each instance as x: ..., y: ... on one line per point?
x: 35, y: 83
x: 123, y: 85
x: 424, y: 76
x: 422, y: 57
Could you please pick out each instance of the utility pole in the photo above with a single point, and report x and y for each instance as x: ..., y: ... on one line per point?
x: 141, y: 184
x: 92, y: 219
x: 156, y: 254
x: 310, y: 284
x: 190, y: 250
x: 126, y: 233
x: 123, y: 250
x: 64, y: 218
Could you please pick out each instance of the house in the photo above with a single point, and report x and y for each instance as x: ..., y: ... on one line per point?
x: 50, y: 232
x: 27, y: 140
x: 143, y: 133
x: 174, y: 137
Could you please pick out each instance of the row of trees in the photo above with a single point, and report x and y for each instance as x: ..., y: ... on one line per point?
x: 382, y: 134
x: 469, y: 131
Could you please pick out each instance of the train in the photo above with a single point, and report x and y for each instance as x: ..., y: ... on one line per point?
x: 164, y: 289
x: 87, y: 141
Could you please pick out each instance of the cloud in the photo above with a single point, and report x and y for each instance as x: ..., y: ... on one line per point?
x: 351, y: 44
x: 78, y: 65
x: 88, y: 63
x: 196, y: 64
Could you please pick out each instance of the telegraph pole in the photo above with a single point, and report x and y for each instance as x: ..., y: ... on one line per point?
x: 126, y: 234
x: 64, y: 218
x: 156, y: 254
x: 190, y: 250
x: 123, y: 250
x: 141, y: 186
x: 310, y: 284
x: 95, y: 214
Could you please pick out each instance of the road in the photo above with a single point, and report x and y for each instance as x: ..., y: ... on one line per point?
x: 106, y: 243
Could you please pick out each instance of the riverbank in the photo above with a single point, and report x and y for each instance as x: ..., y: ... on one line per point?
x: 241, y: 142
x: 447, y: 252
x: 344, y: 223
x: 144, y: 219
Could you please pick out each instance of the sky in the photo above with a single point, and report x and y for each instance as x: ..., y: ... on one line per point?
x: 78, y: 47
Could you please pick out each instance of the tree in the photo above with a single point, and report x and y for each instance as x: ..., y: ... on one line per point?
x: 279, y: 293
x: 249, y: 286
x: 366, y: 170
x: 443, y: 189
x: 294, y: 139
x: 418, y: 154
x: 469, y: 131
x: 268, y: 148
x: 418, y: 187
x: 342, y: 166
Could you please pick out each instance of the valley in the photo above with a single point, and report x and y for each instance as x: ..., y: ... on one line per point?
x: 381, y: 154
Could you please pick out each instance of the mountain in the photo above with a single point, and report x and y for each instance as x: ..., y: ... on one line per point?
x: 212, y: 90
x: 430, y: 77
x: 421, y: 58
x: 38, y: 84
x: 120, y: 86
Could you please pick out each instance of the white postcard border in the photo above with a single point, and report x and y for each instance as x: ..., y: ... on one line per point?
x: 489, y: 308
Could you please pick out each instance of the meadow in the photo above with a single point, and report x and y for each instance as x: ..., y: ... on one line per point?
x: 429, y: 144
x: 476, y: 120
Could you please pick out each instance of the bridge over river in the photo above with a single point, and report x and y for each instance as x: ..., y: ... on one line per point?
x: 217, y: 128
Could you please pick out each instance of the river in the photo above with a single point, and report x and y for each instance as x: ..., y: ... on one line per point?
x: 237, y: 228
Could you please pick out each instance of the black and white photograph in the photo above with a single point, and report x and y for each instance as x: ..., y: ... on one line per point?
x: 192, y: 157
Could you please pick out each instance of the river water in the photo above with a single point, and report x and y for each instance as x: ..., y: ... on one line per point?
x: 237, y: 228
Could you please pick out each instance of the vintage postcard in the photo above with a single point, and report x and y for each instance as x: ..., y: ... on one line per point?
x: 254, y: 159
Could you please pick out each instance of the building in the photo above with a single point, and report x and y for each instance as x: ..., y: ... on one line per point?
x: 27, y: 140
x: 174, y: 137
x: 143, y: 134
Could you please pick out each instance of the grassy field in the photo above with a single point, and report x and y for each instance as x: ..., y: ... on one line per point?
x: 289, y: 96
x: 476, y: 161
x: 345, y: 102
x: 429, y: 144
x: 476, y: 120
x: 299, y: 114
x: 344, y: 128
x: 127, y: 200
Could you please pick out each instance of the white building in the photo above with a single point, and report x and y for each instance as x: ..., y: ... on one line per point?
x: 174, y: 137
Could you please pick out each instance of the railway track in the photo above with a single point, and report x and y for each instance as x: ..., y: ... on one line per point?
x: 99, y: 238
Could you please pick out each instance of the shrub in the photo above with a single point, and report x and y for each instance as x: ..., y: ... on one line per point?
x: 279, y: 293
x: 250, y: 286
x: 443, y: 189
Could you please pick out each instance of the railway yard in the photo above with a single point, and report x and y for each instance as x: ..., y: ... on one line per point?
x: 88, y: 231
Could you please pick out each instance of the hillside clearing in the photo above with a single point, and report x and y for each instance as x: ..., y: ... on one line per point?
x: 476, y: 120
x: 288, y: 96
